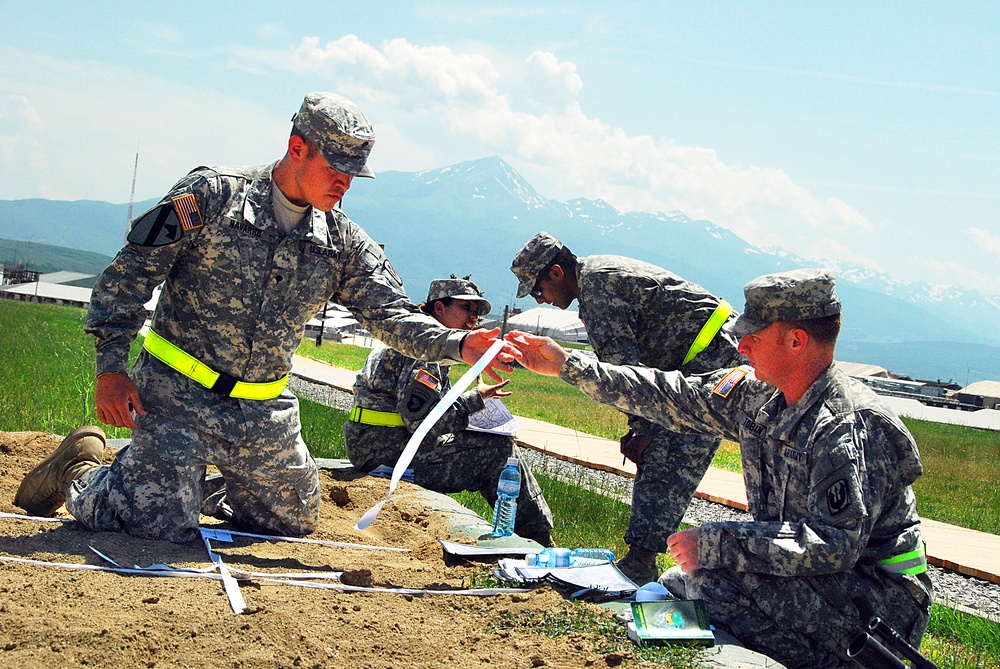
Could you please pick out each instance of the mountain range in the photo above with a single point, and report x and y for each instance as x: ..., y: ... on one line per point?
x: 472, y: 217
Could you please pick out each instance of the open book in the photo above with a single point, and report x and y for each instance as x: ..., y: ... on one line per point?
x: 671, y: 620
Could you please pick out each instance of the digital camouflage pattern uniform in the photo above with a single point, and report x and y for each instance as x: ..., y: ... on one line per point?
x: 237, y: 295
x: 451, y: 458
x: 829, y: 486
x: 640, y: 314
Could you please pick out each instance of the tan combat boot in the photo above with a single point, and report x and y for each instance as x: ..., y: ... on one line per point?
x: 639, y: 564
x: 43, y: 490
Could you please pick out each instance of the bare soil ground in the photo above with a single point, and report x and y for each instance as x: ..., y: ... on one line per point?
x: 53, y: 617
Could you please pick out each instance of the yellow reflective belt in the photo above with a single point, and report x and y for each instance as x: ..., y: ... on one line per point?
x: 183, y: 362
x: 912, y: 562
x: 709, y: 330
x: 372, y: 417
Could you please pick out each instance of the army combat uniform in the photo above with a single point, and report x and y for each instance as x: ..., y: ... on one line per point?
x: 639, y: 314
x: 236, y: 296
x: 401, y: 391
x: 835, y: 535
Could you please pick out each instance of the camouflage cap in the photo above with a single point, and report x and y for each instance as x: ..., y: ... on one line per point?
x: 457, y: 289
x: 342, y: 133
x: 798, y: 295
x: 534, y: 257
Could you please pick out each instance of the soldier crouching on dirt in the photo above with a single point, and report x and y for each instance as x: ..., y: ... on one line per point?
x: 835, y: 536
x: 246, y: 256
x: 394, y: 393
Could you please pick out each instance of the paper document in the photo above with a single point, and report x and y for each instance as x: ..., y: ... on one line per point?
x: 494, y: 418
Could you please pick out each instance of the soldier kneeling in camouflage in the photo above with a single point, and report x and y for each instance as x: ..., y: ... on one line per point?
x: 835, y: 536
x: 394, y: 393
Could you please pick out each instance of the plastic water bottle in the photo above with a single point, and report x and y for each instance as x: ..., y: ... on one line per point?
x: 563, y: 557
x: 508, y: 488
x: 581, y: 557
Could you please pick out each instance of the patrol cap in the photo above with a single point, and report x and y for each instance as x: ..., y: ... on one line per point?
x: 457, y: 289
x: 534, y: 257
x: 342, y: 133
x: 798, y: 295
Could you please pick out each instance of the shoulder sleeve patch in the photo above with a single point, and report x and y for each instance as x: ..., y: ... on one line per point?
x: 426, y: 378
x: 157, y: 227
x: 187, y: 211
x: 728, y: 382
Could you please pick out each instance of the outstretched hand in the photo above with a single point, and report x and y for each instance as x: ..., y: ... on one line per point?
x: 541, y: 355
x: 116, y: 398
x: 487, y: 391
x: 477, y: 342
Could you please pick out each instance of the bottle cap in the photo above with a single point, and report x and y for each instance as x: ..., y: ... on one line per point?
x: 512, y: 462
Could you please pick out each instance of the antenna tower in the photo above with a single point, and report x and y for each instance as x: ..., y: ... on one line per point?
x: 131, y: 197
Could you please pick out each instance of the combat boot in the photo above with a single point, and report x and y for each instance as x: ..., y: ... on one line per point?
x: 43, y: 490
x: 639, y: 565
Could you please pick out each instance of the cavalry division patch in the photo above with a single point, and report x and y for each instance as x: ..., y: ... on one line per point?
x: 728, y: 382
x: 157, y: 227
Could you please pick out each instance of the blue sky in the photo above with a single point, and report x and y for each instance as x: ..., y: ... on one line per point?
x: 857, y: 131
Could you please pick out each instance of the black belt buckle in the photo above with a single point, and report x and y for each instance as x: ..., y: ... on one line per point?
x: 224, y: 384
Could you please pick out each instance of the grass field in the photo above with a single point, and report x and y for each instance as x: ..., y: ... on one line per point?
x: 49, y: 369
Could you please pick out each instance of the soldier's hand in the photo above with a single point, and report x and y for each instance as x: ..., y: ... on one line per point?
x: 683, y: 547
x: 487, y: 391
x: 116, y: 398
x: 477, y: 342
x: 541, y: 355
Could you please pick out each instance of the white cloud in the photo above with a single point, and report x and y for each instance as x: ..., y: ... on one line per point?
x: 75, y: 127
x: 985, y: 241
x: 450, y: 98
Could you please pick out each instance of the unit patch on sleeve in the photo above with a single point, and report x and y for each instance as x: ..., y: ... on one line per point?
x: 187, y: 211
x: 157, y: 227
x: 728, y: 382
x: 837, y: 497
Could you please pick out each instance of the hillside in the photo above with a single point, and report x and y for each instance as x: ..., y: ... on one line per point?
x: 471, y: 218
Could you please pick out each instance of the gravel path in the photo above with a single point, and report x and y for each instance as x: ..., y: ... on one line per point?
x: 972, y: 595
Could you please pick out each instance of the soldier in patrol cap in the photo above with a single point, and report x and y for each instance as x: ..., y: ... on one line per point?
x: 247, y: 256
x: 835, y: 535
x: 394, y: 393
x: 639, y: 314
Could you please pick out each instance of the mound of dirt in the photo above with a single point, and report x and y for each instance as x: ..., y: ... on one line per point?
x: 57, y: 617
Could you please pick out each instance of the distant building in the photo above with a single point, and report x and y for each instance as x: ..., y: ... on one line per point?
x: 560, y: 324
x: 985, y: 394
x: 15, y: 275
x: 861, y: 369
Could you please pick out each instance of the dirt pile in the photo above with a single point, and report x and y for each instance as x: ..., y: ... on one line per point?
x: 51, y: 617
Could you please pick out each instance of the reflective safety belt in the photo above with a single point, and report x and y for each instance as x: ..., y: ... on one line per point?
x: 912, y: 562
x: 372, y: 417
x: 186, y: 364
x: 709, y: 330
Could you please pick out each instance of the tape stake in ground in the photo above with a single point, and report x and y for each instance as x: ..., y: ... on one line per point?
x: 406, y: 457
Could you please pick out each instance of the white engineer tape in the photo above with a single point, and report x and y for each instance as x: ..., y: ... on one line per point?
x: 406, y: 457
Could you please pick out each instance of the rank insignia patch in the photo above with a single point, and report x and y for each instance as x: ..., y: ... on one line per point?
x: 187, y: 212
x: 426, y: 378
x: 728, y: 382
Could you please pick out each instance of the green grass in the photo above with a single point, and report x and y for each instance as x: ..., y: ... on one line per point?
x: 961, y: 481
x: 48, y: 365
x: 49, y: 370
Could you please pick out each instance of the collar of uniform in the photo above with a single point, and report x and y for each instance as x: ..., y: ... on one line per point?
x: 258, y: 197
x: 319, y: 229
x: 788, y: 419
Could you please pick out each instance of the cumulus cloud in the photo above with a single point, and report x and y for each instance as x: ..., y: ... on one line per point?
x: 985, y: 241
x: 534, y: 120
